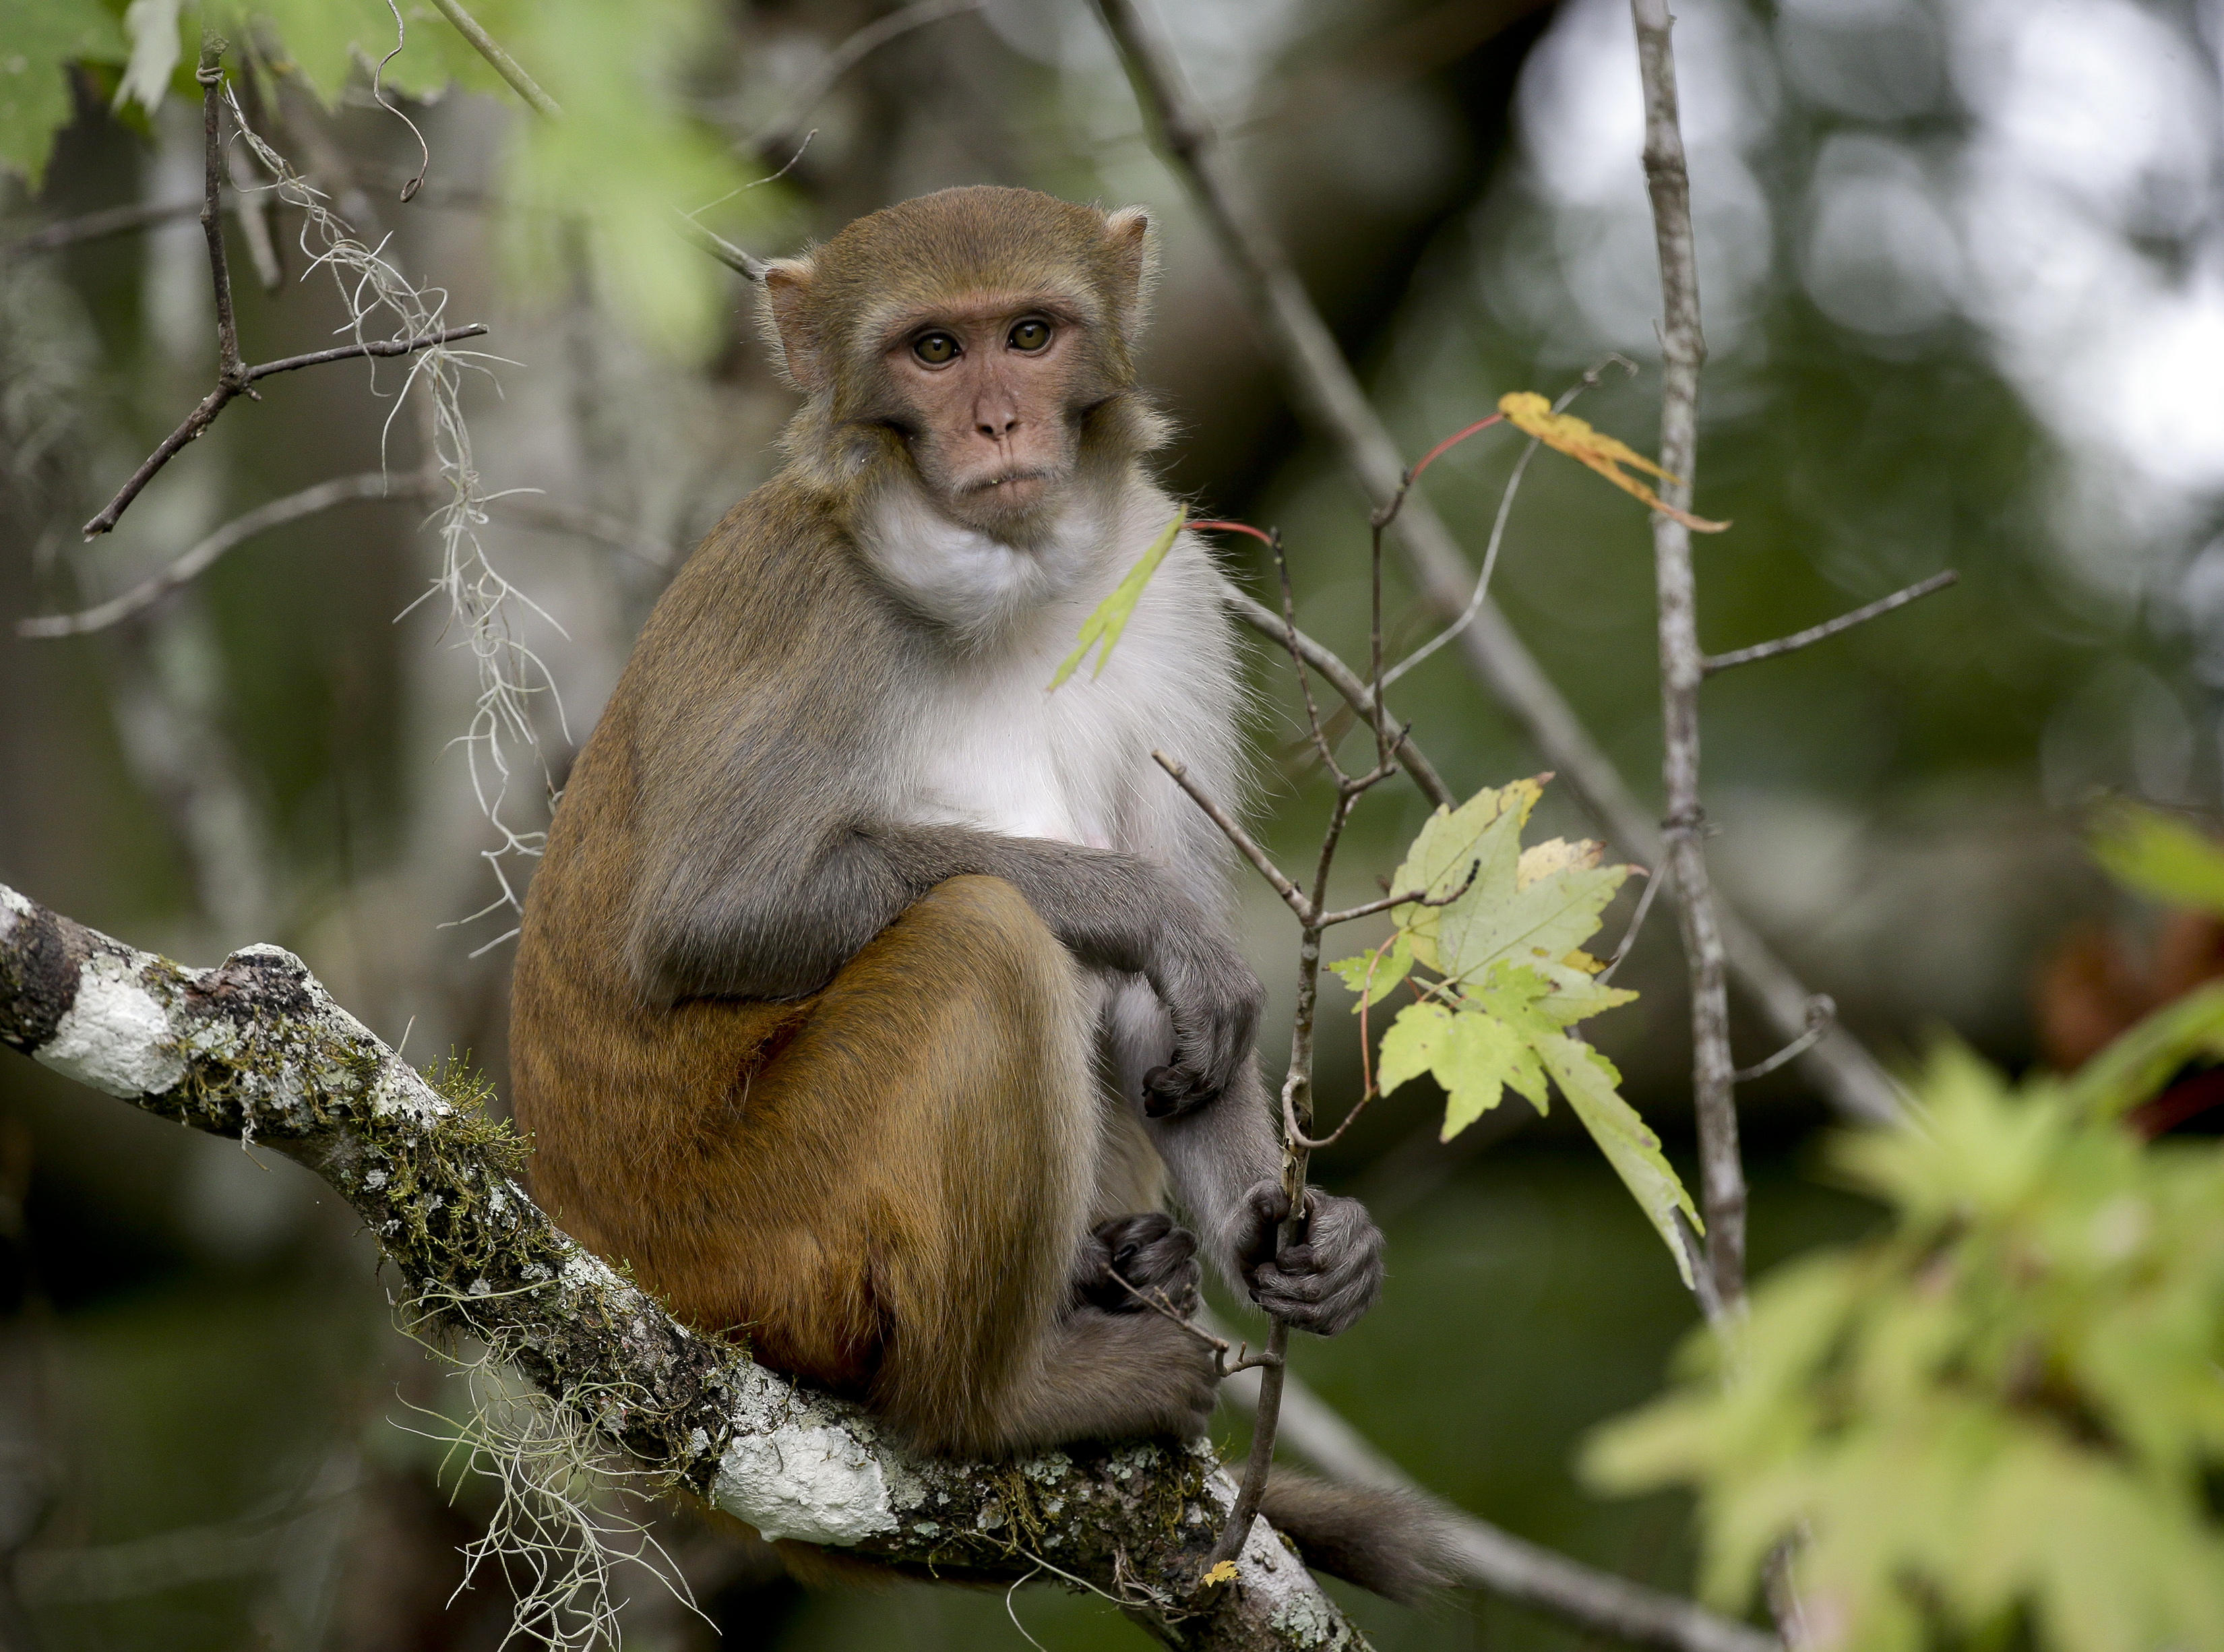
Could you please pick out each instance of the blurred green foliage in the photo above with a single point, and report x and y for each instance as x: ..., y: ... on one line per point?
x: 2005, y: 1412
x: 625, y: 159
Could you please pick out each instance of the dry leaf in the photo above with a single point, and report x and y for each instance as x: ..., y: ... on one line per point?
x: 1565, y: 433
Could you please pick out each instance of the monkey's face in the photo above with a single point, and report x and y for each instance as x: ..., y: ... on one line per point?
x: 989, y: 391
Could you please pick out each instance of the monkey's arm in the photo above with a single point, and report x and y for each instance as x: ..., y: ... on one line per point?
x: 793, y: 912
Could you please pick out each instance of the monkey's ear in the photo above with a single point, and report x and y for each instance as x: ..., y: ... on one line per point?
x: 1133, y: 252
x: 788, y: 324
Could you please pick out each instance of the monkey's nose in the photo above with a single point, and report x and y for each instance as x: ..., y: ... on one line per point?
x: 997, y: 432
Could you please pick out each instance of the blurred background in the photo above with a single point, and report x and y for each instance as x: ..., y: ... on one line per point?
x: 1962, y: 274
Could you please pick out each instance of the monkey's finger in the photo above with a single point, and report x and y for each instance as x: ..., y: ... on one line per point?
x: 1254, y: 1234
x: 1169, y: 1091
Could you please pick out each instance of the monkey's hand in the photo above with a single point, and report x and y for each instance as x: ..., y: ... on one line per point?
x: 1324, y: 1280
x: 1213, y: 1000
x: 1151, y: 1254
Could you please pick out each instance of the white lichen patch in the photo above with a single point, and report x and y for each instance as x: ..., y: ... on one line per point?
x: 1048, y: 1469
x: 814, y: 1482
x: 1273, y: 1579
x: 12, y: 906
x: 116, y: 1036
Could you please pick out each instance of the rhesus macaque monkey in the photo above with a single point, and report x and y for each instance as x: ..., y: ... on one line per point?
x: 869, y: 993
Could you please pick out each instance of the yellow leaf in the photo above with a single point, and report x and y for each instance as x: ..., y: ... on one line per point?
x: 1224, y: 1572
x: 1564, y: 433
x: 1112, y: 614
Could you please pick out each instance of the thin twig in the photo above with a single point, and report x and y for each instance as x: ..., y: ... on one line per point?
x: 1340, y: 677
x: 1822, y: 1010
x: 1721, y: 1173
x: 1330, y: 396
x: 1236, y: 834
x: 1156, y: 1300
x: 1413, y: 897
x: 369, y: 347
x: 1498, y: 523
x: 718, y: 247
x: 503, y: 64
x: 846, y: 57
x: 217, y: 399
x: 1713, y: 662
x: 1297, y: 657
x: 109, y: 220
x: 229, y: 368
x: 149, y: 592
x: 1629, y: 935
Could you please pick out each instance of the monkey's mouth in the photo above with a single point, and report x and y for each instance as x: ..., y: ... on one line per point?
x: 1015, y: 485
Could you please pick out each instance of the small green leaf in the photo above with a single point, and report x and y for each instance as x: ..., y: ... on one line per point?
x: 1479, y: 1059
x: 1112, y: 613
x: 1589, y: 1082
x: 2161, y: 855
x: 1483, y: 836
x: 1409, y: 1049
x: 1389, y: 969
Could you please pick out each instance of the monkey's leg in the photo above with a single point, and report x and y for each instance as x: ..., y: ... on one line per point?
x: 920, y: 1162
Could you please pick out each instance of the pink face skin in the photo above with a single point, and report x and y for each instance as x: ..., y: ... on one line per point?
x: 990, y: 385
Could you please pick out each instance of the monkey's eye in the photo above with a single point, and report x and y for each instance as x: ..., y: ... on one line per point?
x: 934, y: 348
x: 1030, y: 335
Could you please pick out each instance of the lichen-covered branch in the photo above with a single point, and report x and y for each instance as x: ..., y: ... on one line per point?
x: 255, y: 1048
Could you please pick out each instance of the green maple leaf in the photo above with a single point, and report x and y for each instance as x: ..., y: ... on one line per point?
x: 1543, y: 908
x: 1482, y: 835
x: 1508, y: 943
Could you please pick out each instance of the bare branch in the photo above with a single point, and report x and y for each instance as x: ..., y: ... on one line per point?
x: 1341, y: 677
x: 503, y: 64
x: 1822, y: 1010
x: 1494, y: 1560
x: 369, y: 347
x: 1412, y: 897
x: 1330, y: 396
x: 1713, y: 662
x: 371, y: 485
x: 1723, y: 1191
x: 718, y: 247
x: 255, y: 1048
x: 1497, y: 522
x: 1629, y: 935
x: 217, y: 399
x: 1236, y: 834
x: 1155, y: 1300
x: 109, y: 220
x: 229, y: 368
x: 149, y: 592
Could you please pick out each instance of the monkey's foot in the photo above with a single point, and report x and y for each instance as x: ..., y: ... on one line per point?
x: 1151, y: 1254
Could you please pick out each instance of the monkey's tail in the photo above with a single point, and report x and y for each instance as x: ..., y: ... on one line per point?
x: 1399, y: 1544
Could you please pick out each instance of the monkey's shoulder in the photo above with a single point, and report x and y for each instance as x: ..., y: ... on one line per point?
x: 775, y: 564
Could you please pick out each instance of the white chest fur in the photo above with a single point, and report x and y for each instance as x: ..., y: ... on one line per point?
x: 988, y: 744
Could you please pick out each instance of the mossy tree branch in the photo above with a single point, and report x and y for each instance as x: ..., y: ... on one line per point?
x: 256, y: 1049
